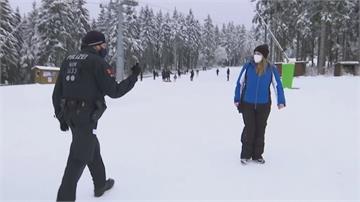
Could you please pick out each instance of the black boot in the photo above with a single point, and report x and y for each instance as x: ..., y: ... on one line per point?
x: 260, y: 160
x: 108, y: 185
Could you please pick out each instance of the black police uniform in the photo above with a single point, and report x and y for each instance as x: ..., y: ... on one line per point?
x: 78, y: 98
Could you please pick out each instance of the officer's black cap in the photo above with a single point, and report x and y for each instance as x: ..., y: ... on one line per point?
x: 93, y: 38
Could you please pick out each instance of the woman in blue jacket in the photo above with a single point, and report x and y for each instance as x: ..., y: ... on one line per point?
x: 253, y: 100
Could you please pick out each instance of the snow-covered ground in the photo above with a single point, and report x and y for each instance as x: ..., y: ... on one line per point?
x: 181, y: 141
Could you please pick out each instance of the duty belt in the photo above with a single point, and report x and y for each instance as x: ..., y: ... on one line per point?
x: 78, y: 103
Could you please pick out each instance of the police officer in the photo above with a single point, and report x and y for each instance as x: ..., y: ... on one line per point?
x: 78, y: 98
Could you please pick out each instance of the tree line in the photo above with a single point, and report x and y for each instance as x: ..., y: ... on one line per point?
x: 322, y: 31
x: 160, y: 40
x: 318, y: 31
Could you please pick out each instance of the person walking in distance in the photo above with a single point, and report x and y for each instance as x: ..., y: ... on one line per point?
x: 78, y: 99
x: 192, y: 75
x: 228, y: 74
x: 154, y: 74
x: 252, y: 99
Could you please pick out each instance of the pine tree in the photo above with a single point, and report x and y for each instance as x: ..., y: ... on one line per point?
x: 229, y: 42
x: 132, y: 42
x: 147, y: 27
x: 167, y: 36
x: 102, y: 24
x: 324, y: 29
x: 177, y: 26
x: 239, y: 38
x: 192, y: 40
x: 80, y: 24
x: 217, y: 36
x: 8, y: 51
x: 209, y: 42
x: 15, y: 72
x: 158, y: 39
x: 32, y: 46
x: 220, y: 53
x: 250, y: 43
x: 345, y: 31
x: 93, y: 25
x: 55, y: 28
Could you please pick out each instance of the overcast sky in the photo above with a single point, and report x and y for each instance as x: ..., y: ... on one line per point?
x: 237, y: 11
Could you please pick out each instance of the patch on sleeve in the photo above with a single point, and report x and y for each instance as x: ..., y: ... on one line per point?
x: 110, y: 72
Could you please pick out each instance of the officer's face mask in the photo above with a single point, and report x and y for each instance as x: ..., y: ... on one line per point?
x: 257, y: 57
x: 103, y: 51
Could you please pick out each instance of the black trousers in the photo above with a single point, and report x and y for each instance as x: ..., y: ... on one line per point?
x: 73, y: 171
x: 84, y: 151
x: 253, y: 135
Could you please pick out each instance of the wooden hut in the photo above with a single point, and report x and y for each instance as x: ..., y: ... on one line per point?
x: 347, y: 67
x: 45, y: 75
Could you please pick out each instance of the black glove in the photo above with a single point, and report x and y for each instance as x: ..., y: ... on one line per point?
x: 136, y: 69
x: 100, y: 109
x: 63, y: 126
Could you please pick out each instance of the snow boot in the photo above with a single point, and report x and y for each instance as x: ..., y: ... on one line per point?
x: 108, y: 185
x: 259, y: 161
x: 244, y: 161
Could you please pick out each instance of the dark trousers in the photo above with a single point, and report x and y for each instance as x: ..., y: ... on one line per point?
x: 253, y: 135
x: 84, y: 151
x: 74, y: 169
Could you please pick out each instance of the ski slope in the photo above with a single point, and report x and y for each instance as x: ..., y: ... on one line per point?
x: 181, y: 141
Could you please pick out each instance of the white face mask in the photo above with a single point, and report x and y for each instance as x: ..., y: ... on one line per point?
x: 258, y: 58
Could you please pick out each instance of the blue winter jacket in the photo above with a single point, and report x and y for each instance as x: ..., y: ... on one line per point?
x: 254, y: 89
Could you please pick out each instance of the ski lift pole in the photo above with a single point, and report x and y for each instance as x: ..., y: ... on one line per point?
x: 273, y: 36
x: 120, y: 48
x: 120, y: 40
